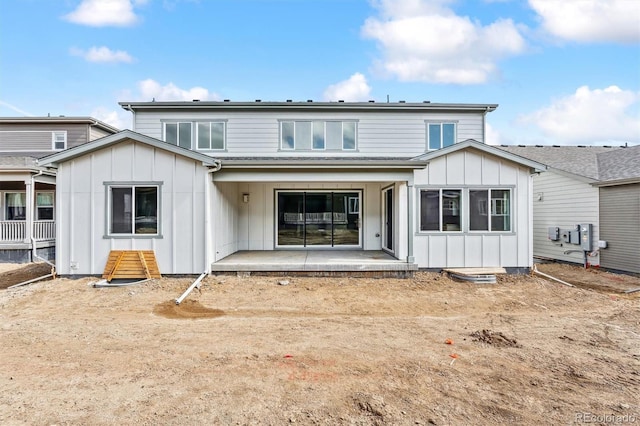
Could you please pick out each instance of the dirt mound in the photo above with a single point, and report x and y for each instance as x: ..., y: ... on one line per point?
x: 25, y: 273
x: 189, y: 309
x: 494, y: 338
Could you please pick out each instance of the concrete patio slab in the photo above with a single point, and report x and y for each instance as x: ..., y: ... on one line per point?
x: 311, y: 261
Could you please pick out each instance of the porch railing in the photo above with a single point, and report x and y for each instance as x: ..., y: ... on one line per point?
x: 44, y: 230
x: 15, y: 230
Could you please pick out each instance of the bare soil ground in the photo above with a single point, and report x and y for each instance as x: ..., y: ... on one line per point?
x: 352, y: 351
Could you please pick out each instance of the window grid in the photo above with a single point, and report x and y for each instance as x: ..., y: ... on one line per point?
x: 318, y: 135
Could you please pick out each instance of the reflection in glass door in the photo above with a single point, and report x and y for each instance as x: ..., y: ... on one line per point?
x: 387, y: 219
x: 318, y: 219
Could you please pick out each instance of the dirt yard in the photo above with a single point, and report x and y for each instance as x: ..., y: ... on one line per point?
x: 271, y: 350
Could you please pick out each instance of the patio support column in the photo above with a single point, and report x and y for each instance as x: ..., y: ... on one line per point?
x: 28, y: 225
x: 410, y: 221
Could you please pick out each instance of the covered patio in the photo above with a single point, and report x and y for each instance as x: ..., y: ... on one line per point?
x: 315, y: 262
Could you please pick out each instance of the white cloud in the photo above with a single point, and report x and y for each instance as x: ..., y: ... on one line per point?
x: 15, y: 108
x: 590, y: 116
x: 102, y: 54
x: 493, y: 136
x: 119, y: 119
x: 426, y: 41
x: 102, y: 13
x: 353, y: 89
x: 151, y: 89
x: 590, y: 20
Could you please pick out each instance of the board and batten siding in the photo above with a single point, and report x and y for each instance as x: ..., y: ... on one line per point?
x: 563, y: 201
x: 473, y: 169
x: 379, y: 134
x: 19, y: 138
x: 81, y: 207
x: 620, y: 227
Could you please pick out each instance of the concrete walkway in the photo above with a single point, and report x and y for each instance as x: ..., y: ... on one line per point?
x: 311, y: 260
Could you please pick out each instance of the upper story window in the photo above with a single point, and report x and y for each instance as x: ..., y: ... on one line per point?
x: 200, y: 135
x: 318, y: 135
x: 440, y: 135
x: 59, y: 140
x: 210, y: 135
x: 178, y: 134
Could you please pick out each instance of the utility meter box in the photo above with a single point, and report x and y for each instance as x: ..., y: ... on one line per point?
x: 585, y: 236
x: 554, y: 233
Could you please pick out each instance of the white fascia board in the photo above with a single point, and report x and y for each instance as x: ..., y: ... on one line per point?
x: 324, y: 164
x: 489, y: 149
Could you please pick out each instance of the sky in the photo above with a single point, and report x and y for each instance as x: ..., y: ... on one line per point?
x: 564, y: 72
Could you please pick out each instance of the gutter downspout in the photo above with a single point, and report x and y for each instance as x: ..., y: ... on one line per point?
x: 208, y: 178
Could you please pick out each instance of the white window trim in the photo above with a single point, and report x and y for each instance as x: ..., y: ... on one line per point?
x: 177, y: 123
x: 441, y: 208
x: 53, y: 140
x: 108, y: 186
x: 5, y: 205
x: 37, y: 207
x: 441, y: 123
x: 324, y: 127
x: 197, y: 131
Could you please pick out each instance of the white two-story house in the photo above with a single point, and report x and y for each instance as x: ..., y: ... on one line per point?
x: 201, y: 182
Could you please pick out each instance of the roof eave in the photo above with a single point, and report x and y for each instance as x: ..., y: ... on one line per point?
x: 324, y: 164
x: 332, y: 106
x: 534, y: 166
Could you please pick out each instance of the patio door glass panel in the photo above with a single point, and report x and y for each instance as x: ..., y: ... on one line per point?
x: 290, y: 219
x: 346, y: 218
x: 318, y: 219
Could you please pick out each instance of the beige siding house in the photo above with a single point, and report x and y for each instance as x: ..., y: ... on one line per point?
x: 202, y: 182
x: 27, y: 191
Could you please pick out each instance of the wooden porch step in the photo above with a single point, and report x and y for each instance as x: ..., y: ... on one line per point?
x: 131, y: 264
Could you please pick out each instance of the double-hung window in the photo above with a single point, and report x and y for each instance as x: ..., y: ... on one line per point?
x: 440, y: 135
x: 440, y: 210
x: 210, y: 135
x: 15, y: 206
x: 59, y: 140
x: 133, y: 209
x: 178, y: 133
x: 44, y: 205
x: 318, y: 135
x: 490, y: 210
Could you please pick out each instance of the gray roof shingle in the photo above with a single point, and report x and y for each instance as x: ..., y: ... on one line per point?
x: 600, y: 163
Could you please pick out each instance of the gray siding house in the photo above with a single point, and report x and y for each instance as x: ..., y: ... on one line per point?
x: 27, y: 191
x: 201, y: 182
x: 587, y: 185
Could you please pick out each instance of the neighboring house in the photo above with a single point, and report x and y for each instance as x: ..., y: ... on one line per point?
x: 27, y: 191
x: 587, y: 185
x: 200, y: 181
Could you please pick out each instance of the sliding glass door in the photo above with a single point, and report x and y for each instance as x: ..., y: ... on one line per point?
x: 318, y: 218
